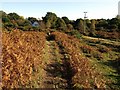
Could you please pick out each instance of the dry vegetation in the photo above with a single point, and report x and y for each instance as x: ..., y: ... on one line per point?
x: 82, y: 74
x: 80, y: 63
x: 109, y: 35
x: 56, y: 54
x: 22, y: 57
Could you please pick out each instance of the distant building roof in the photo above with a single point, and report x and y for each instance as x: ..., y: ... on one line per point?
x: 36, y: 24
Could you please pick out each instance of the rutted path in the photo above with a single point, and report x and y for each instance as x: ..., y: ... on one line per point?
x: 111, y: 42
x: 53, y: 73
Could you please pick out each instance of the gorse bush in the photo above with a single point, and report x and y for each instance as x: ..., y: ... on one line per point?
x: 103, y: 49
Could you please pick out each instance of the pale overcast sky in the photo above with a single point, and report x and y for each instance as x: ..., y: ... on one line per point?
x: 73, y: 9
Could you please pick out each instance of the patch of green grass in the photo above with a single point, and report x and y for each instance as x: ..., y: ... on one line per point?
x: 108, y: 71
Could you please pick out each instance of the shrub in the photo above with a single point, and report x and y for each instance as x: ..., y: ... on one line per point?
x: 97, y: 55
x: 103, y: 49
x: 76, y: 34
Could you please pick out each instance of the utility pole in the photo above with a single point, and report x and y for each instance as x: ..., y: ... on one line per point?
x: 84, y: 22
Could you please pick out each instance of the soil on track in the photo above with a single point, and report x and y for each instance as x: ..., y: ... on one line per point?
x: 53, y: 69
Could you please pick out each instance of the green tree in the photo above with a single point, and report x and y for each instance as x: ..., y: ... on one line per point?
x: 5, y: 19
x: 92, y: 27
x: 32, y: 19
x: 88, y: 23
x: 48, y: 24
x: 79, y: 25
x: 67, y: 21
x: 4, y: 16
x: 13, y: 16
x: 50, y: 19
x: 8, y: 24
x: 42, y: 24
x: 70, y: 26
x: 60, y: 24
x: 102, y: 24
x: 27, y: 22
x: 113, y: 24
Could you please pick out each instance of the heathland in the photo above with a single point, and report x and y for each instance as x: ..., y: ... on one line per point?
x: 60, y: 53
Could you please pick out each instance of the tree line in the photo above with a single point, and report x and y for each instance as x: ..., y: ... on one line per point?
x: 52, y: 21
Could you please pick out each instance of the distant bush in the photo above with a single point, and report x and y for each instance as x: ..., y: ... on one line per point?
x: 108, y: 35
x: 86, y: 49
x: 75, y: 33
x: 91, y: 51
x: 103, y: 49
x: 97, y: 55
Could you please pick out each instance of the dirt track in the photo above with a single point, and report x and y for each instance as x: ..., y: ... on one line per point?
x: 53, y: 67
x: 103, y: 40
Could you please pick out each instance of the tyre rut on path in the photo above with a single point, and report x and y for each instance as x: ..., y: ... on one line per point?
x: 53, y: 69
